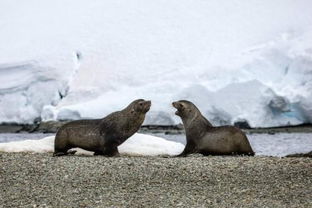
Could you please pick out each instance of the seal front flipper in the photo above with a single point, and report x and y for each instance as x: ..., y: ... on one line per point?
x: 98, y: 153
x: 110, y: 151
x: 166, y: 156
x: 189, y: 149
x: 71, y: 152
x: 181, y: 155
x: 184, y: 153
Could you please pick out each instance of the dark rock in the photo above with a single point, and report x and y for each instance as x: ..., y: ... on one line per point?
x: 242, y: 124
x: 308, y: 154
x: 10, y: 128
x: 50, y: 126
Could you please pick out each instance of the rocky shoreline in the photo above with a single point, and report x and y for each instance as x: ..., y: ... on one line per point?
x: 53, y: 126
x: 39, y: 180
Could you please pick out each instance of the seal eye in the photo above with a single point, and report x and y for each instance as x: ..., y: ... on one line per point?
x: 181, y: 106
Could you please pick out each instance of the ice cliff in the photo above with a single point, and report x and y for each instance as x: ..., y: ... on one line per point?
x: 238, y: 61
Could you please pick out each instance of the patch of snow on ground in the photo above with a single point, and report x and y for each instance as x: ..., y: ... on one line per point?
x: 138, y: 144
x: 280, y: 144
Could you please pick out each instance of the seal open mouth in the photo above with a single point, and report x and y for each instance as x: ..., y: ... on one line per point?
x: 175, y: 105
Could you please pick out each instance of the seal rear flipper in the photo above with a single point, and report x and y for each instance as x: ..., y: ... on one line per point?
x: 57, y: 154
x: 71, y: 152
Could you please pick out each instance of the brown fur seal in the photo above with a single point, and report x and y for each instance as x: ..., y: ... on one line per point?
x: 202, y: 137
x: 102, y: 136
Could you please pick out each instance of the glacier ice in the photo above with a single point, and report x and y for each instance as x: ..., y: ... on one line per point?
x: 26, y: 88
x: 271, y: 87
x: 229, y: 58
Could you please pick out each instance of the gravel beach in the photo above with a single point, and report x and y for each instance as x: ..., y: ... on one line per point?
x: 39, y: 180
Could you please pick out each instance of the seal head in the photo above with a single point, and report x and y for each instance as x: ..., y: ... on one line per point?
x: 141, y: 106
x: 185, y: 109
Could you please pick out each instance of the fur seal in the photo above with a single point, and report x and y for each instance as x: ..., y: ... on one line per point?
x: 102, y: 136
x: 202, y: 137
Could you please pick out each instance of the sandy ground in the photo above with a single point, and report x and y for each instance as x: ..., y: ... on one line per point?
x: 39, y: 180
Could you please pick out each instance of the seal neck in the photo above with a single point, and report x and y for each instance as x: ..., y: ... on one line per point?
x: 195, y: 127
x: 133, y: 122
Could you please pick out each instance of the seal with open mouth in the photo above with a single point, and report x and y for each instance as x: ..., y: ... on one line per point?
x: 202, y: 137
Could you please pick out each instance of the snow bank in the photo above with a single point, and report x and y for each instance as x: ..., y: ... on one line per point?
x: 25, y: 89
x: 138, y: 144
x: 268, y: 85
x: 143, y: 144
x: 42, y: 145
x: 28, y: 88
x: 230, y: 58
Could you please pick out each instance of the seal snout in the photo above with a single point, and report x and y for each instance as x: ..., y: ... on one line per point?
x: 145, y: 105
x: 148, y: 104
